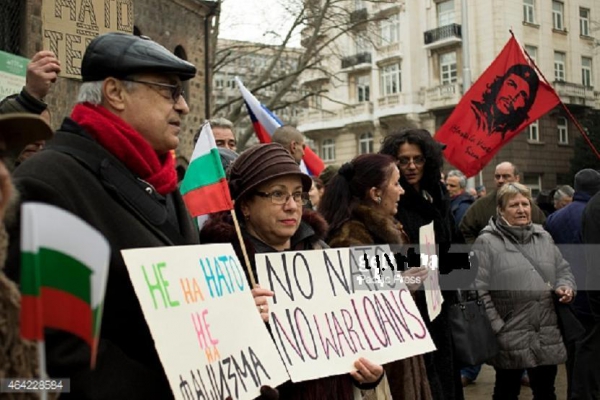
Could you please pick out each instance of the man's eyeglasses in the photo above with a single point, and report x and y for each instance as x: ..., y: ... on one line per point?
x: 176, y: 90
x: 405, y: 161
x: 279, y: 197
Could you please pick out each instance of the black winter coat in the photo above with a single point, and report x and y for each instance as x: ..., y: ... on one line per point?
x: 128, y: 212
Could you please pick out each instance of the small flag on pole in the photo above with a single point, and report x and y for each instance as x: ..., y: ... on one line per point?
x: 265, y: 123
x: 204, y: 187
x: 63, y: 274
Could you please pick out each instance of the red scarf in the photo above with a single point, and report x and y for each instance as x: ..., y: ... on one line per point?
x: 125, y: 143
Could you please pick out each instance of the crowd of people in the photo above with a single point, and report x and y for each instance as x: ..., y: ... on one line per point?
x: 110, y: 163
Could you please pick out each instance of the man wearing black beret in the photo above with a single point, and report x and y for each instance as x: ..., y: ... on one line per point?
x: 110, y: 163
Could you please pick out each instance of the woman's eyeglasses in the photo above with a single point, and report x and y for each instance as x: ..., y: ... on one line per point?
x: 405, y: 161
x: 279, y: 197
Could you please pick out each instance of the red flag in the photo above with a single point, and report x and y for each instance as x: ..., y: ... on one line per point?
x: 506, y: 98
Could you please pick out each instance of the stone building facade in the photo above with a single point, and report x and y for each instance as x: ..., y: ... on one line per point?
x: 403, y: 68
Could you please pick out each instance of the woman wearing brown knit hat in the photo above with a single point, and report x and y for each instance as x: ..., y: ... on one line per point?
x: 269, y: 191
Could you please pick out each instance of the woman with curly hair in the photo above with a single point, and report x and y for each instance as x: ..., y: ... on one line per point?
x: 419, y: 159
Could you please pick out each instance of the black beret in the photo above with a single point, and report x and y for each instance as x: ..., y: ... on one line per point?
x: 120, y: 55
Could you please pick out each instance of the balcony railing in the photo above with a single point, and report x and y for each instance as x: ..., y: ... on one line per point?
x: 575, y: 92
x: 443, y: 32
x: 356, y: 59
x: 359, y: 15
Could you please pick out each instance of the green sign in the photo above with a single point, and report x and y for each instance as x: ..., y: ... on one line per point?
x: 12, y: 73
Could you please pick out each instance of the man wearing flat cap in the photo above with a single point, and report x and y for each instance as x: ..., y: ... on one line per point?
x: 110, y: 164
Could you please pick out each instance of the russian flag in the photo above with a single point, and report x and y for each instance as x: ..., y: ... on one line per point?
x: 265, y: 123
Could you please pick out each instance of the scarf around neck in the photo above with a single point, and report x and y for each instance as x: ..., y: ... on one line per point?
x: 128, y: 146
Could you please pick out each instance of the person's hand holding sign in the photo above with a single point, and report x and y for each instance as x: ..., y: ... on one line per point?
x: 260, y: 299
x: 366, y: 372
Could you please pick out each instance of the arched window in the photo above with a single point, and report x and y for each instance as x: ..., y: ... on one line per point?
x: 365, y: 143
x: 180, y: 52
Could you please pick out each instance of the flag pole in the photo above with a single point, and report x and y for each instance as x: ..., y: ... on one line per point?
x: 41, y: 347
x: 564, y: 106
x: 243, y: 246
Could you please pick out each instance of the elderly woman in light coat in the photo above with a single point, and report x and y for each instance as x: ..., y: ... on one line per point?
x: 518, y: 299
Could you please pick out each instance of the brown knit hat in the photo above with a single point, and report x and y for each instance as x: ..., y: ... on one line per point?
x: 259, y: 164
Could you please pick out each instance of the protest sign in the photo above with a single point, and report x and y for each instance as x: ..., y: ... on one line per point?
x: 69, y: 26
x: 327, y: 312
x: 12, y: 74
x: 429, y: 258
x: 208, y: 332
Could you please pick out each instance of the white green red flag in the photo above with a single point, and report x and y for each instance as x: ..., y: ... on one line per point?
x: 64, y: 268
x: 204, y: 187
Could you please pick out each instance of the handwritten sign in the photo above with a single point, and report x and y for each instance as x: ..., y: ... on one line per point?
x: 70, y: 25
x: 208, y: 333
x: 12, y: 74
x: 429, y: 258
x: 325, y: 314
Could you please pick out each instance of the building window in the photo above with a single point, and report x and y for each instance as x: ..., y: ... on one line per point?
x: 391, y: 81
x: 559, y: 66
x: 365, y: 143
x: 363, y: 88
x: 445, y: 13
x: 328, y: 150
x: 390, y: 30
x: 533, y: 182
x: 529, y: 11
x: 563, y: 130
x: 532, y: 51
x: 448, y: 68
x: 586, y: 71
x: 584, y: 21
x: 362, y: 44
x: 533, y: 132
x: 557, y: 15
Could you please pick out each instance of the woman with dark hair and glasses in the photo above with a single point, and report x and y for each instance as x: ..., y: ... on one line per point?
x: 419, y: 159
x: 269, y: 192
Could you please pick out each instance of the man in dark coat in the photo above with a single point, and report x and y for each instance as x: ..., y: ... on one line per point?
x: 110, y: 164
x: 586, y: 373
x: 460, y: 200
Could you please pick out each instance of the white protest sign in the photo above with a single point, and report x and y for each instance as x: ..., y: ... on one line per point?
x: 429, y: 258
x: 12, y: 74
x: 208, y: 333
x: 326, y: 314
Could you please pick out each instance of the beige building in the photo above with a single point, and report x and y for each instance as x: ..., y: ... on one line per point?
x: 403, y: 68
x: 182, y: 28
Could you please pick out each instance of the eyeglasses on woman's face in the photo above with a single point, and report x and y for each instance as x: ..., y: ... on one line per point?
x: 280, y: 197
x: 406, y: 161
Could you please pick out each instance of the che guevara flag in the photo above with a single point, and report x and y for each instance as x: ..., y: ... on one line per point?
x: 64, y: 268
x: 204, y: 187
x: 265, y: 123
x: 506, y: 98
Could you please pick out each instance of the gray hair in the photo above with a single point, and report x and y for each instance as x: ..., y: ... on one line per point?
x: 221, y: 122
x: 510, y: 190
x: 91, y: 92
x: 563, y: 191
x: 462, y: 179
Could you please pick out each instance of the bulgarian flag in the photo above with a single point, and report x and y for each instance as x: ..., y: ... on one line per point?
x: 64, y: 268
x: 204, y: 187
x: 265, y: 123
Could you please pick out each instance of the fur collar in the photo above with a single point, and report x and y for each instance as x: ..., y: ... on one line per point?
x: 368, y: 226
x: 220, y: 229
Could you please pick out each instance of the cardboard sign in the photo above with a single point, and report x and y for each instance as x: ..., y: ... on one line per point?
x: 429, y: 258
x: 208, y: 332
x: 69, y: 26
x: 13, y: 70
x: 326, y: 312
